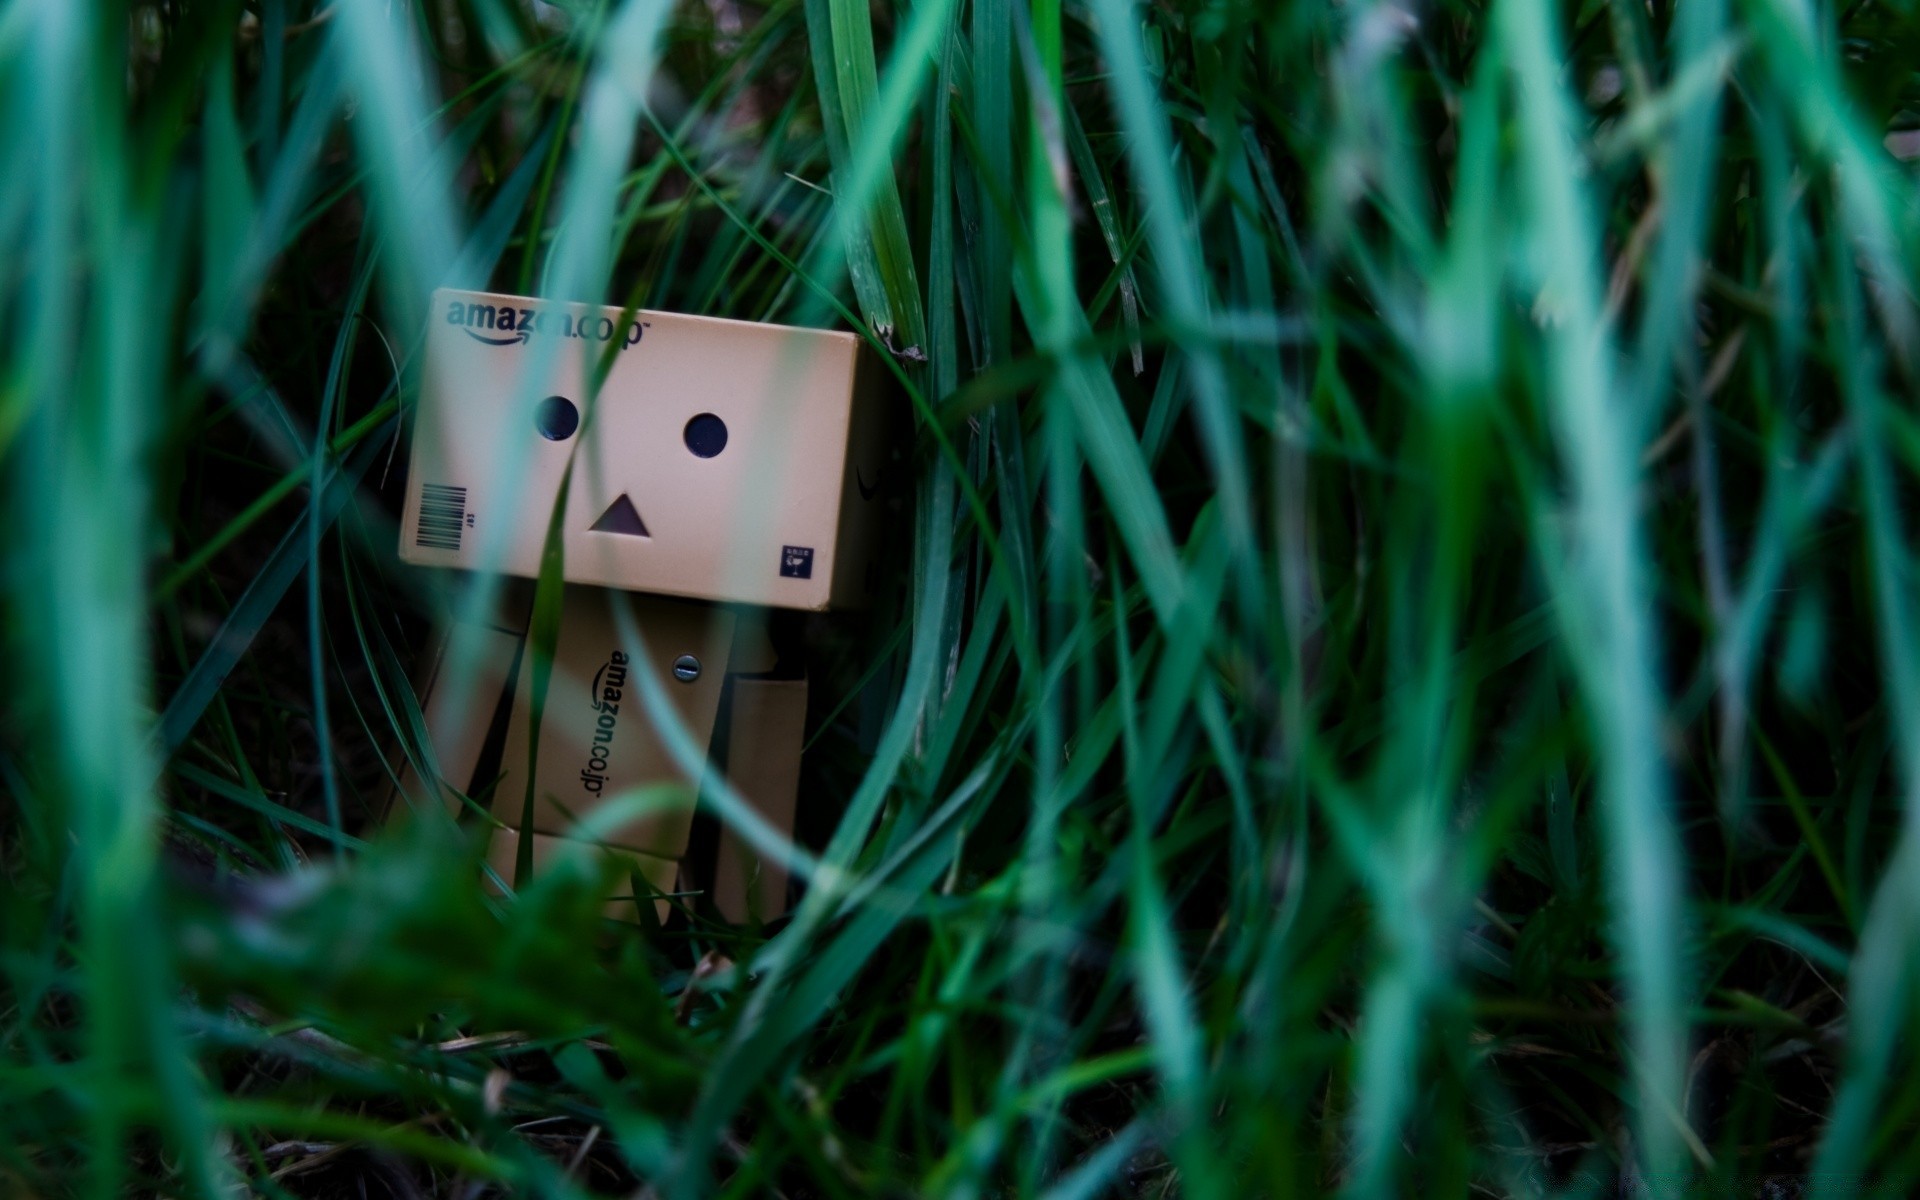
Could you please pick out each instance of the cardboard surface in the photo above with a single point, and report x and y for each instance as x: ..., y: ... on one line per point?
x: 725, y: 461
x: 457, y: 727
x: 780, y: 515
x: 766, y: 719
x: 504, y: 847
x: 595, y: 736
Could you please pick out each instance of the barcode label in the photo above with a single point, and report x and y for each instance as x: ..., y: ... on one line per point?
x: 443, y: 515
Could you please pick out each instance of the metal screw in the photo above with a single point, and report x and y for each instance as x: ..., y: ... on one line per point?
x: 686, y: 668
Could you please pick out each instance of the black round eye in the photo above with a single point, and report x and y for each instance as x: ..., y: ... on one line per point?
x: 556, y: 418
x: 706, y: 435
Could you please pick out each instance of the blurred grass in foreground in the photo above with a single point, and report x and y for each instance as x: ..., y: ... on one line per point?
x: 1403, y: 679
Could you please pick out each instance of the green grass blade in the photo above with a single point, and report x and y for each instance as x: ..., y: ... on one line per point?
x: 1607, y: 603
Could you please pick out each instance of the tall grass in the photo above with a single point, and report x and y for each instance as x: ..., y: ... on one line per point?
x: 1398, y: 674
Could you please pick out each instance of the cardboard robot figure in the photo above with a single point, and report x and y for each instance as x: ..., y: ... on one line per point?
x: 723, y: 468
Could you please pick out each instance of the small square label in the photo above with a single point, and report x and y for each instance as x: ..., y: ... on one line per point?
x: 796, y: 562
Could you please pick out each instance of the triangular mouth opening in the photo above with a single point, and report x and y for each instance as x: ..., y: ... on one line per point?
x: 621, y: 517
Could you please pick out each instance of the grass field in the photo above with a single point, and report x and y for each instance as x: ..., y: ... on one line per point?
x: 1394, y: 669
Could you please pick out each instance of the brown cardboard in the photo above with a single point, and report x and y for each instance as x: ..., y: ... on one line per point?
x: 504, y: 847
x: 520, y: 396
x: 596, y: 740
x: 753, y: 652
x: 868, y: 446
x: 779, y: 517
x: 457, y: 732
x: 766, y: 719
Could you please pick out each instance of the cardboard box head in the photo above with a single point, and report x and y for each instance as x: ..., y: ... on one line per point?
x: 720, y: 460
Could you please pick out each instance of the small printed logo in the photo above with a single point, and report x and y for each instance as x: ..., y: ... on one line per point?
x: 506, y: 325
x: 603, y: 697
x: 796, y: 562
